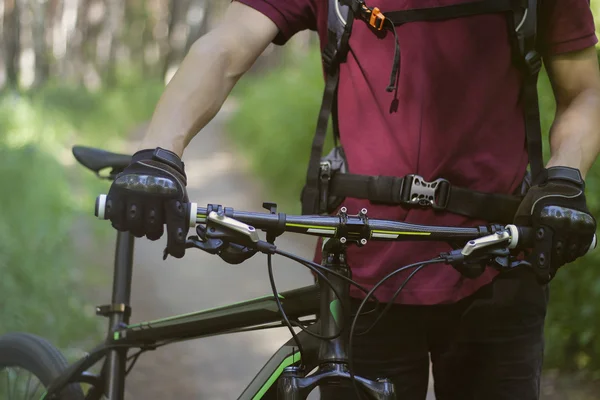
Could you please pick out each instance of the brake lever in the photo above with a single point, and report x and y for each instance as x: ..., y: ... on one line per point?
x: 508, y: 263
x: 211, y: 246
x: 474, y: 264
x: 232, y: 240
x: 483, y: 243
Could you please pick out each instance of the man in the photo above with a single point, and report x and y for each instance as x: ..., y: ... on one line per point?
x: 456, y: 113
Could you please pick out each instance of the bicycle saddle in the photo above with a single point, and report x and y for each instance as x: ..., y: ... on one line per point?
x: 98, y: 159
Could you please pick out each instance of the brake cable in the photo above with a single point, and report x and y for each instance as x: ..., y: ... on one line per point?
x: 419, y: 266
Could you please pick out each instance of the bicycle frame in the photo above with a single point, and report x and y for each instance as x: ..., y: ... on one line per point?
x: 286, y: 367
x: 298, y: 303
x: 318, y: 300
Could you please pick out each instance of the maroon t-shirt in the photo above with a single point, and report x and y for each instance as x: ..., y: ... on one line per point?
x: 458, y: 117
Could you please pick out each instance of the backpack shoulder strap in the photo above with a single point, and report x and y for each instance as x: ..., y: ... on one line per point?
x: 336, y: 21
x: 524, y: 28
x: 339, y: 26
x: 337, y: 33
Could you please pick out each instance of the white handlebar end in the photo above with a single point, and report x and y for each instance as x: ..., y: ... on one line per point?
x: 514, y: 236
x: 593, y: 245
x: 101, y: 206
x: 193, y: 211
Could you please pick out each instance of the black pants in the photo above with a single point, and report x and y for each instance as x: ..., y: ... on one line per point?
x: 487, y: 347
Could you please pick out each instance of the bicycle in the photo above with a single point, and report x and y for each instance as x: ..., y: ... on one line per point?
x: 320, y: 354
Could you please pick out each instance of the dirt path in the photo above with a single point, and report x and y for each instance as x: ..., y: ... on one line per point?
x: 216, y: 368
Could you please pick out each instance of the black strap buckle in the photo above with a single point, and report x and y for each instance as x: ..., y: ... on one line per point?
x: 325, y: 172
x: 533, y: 62
x: 417, y: 191
x: 329, y: 56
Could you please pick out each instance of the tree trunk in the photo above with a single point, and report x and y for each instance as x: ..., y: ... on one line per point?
x: 107, y: 44
x: 80, y: 37
x: 136, y: 30
x: 51, y: 14
x: 176, y: 40
x: 40, y: 48
x: 12, y: 42
x: 197, y: 19
x: 91, y: 54
x: 156, y: 37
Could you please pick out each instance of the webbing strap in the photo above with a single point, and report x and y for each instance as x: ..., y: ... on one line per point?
x: 453, y: 11
x: 527, y: 35
x: 474, y: 204
x: 533, y: 129
x: 406, y: 191
x: 310, y: 195
x: 524, y: 42
x: 335, y: 52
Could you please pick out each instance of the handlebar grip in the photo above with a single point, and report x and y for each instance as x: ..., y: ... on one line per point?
x: 100, y: 210
x: 522, y: 237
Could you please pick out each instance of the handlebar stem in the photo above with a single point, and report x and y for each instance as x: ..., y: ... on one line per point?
x: 332, y: 317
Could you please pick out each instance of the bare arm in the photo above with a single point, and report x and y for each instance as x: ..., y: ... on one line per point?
x: 575, y: 133
x: 206, y: 77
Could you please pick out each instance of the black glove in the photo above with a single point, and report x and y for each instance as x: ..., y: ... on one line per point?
x: 149, y: 193
x: 564, y: 228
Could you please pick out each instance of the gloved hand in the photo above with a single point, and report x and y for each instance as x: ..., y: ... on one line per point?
x: 564, y: 228
x: 149, y: 193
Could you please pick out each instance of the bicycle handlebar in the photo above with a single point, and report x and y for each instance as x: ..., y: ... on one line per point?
x: 358, y: 228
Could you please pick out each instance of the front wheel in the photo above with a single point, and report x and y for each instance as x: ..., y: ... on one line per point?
x: 28, y: 364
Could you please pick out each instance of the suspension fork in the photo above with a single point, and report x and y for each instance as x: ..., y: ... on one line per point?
x: 333, y: 354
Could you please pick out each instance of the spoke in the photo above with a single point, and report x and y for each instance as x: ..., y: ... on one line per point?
x: 37, y: 387
x: 2, y: 384
x: 8, y: 383
x: 26, y: 396
x: 32, y: 395
x: 16, y: 386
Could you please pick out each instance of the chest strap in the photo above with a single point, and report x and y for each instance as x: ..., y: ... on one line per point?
x: 522, y: 23
x: 414, y: 191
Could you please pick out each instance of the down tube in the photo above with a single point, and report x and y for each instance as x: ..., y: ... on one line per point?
x: 297, y: 303
x: 264, y: 385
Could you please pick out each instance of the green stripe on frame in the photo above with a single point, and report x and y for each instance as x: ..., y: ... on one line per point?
x: 284, y: 364
x: 311, y: 226
x: 402, y: 233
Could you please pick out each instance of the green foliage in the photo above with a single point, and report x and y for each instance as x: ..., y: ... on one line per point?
x: 46, y: 205
x: 39, y: 291
x: 571, y: 327
x: 274, y: 126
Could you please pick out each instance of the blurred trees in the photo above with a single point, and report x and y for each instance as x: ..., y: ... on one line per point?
x: 91, y: 42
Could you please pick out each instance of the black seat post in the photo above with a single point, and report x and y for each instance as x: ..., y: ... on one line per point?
x: 118, y: 313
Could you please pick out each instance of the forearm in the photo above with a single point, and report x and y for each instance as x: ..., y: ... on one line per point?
x: 575, y: 134
x: 192, y: 98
